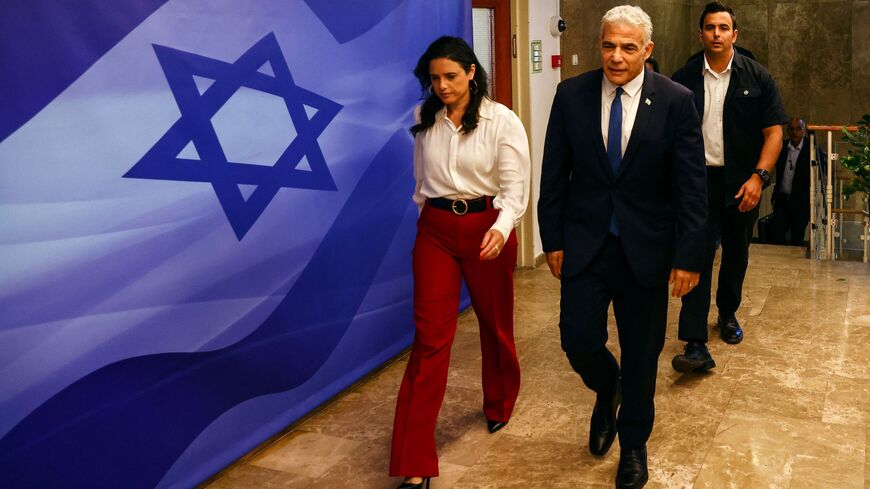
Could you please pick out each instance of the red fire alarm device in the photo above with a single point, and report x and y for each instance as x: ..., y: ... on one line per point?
x: 556, y: 60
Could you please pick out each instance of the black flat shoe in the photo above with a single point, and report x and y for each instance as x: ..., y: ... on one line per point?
x: 419, y: 485
x: 632, y: 471
x: 494, y: 426
x: 729, y: 329
x: 695, y: 358
x: 602, y: 426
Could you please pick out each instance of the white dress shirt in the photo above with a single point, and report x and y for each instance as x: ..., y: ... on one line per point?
x: 715, y: 89
x: 630, y: 103
x: 491, y: 160
x: 790, y: 164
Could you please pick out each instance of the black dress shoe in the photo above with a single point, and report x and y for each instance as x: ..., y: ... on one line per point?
x: 419, y: 485
x: 695, y: 358
x: 494, y: 426
x: 729, y: 329
x: 602, y: 426
x: 632, y: 472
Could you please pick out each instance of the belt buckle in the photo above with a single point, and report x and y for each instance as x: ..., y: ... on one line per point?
x: 455, y: 210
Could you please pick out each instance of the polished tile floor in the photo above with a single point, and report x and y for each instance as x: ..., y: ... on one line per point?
x: 787, y: 408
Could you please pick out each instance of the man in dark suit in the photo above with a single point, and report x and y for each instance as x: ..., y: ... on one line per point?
x: 741, y: 114
x: 791, y: 194
x: 621, y: 212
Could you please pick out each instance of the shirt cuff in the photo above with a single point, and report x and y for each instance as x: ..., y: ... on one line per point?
x: 504, y: 224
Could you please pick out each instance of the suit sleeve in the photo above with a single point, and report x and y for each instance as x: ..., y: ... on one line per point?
x: 690, y: 186
x: 555, y: 177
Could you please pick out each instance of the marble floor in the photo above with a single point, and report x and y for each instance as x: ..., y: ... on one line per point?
x: 787, y: 408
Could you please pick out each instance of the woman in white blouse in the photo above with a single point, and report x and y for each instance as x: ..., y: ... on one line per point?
x: 471, y: 164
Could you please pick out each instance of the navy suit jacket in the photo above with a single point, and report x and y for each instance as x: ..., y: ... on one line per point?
x: 659, y: 195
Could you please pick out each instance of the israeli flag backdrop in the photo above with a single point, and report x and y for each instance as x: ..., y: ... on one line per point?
x: 205, y: 224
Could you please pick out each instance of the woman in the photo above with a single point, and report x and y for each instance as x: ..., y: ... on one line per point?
x: 471, y: 164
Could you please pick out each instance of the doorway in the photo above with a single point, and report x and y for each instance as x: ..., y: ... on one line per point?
x: 491, y: 22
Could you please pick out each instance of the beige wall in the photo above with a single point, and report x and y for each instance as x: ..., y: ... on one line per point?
x: 542, y: 87
x: 817, y: 50
x: 533, y: 95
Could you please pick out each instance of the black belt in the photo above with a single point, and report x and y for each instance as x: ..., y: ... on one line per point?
x: 461, y: 206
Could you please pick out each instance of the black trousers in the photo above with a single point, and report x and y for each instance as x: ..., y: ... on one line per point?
x: 790, y: 219
x: 733, y: 229
x: 641, y: 319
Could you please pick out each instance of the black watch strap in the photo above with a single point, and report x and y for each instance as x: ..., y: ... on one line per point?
x: 765, y: 176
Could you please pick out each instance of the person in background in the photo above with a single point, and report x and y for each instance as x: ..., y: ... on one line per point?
x: 621, y: 211
x: 791, y: 194
x: 741, y: 114
x: 652, y: 64
x: 471, y: 166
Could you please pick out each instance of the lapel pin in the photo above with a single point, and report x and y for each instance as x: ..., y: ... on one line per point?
x: 746, y: 92
x: 647, y: 101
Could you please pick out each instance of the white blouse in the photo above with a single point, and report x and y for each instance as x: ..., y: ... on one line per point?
x: 491, y: 160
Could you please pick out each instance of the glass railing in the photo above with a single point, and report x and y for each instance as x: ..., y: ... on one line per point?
x: 839, y: 225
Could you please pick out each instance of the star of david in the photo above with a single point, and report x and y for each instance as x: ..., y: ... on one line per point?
x: 309, y: 112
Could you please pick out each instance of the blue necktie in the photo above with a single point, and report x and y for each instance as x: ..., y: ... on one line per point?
x: 614, y: 144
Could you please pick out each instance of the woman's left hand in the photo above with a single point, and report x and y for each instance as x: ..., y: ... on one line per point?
x: 492, y: 244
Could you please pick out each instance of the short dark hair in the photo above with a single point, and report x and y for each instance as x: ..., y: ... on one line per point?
x: 714, y: 7
x: 454, y: 49
x: 801, y: 120
x: 655, y: 64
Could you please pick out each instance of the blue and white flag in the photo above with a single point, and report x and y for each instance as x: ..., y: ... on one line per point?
x: 205, y: 224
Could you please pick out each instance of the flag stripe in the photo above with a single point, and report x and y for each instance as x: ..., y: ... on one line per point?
x: 37, y: 61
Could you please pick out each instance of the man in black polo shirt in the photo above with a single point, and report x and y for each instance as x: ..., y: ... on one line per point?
x: 741, y: 116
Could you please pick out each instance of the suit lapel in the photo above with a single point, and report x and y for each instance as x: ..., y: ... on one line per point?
x: 780, y: 163
x: 802, y: 165
x: 594, y: 121
x: 697, y: 77
x: 641, y: 119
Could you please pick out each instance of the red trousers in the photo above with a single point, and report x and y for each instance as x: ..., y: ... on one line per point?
x: 447, y: 249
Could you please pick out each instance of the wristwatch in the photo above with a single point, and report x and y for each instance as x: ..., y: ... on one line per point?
x: 765, y: 176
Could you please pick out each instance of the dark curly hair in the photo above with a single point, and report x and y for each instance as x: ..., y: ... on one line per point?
x: 454, y: 49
